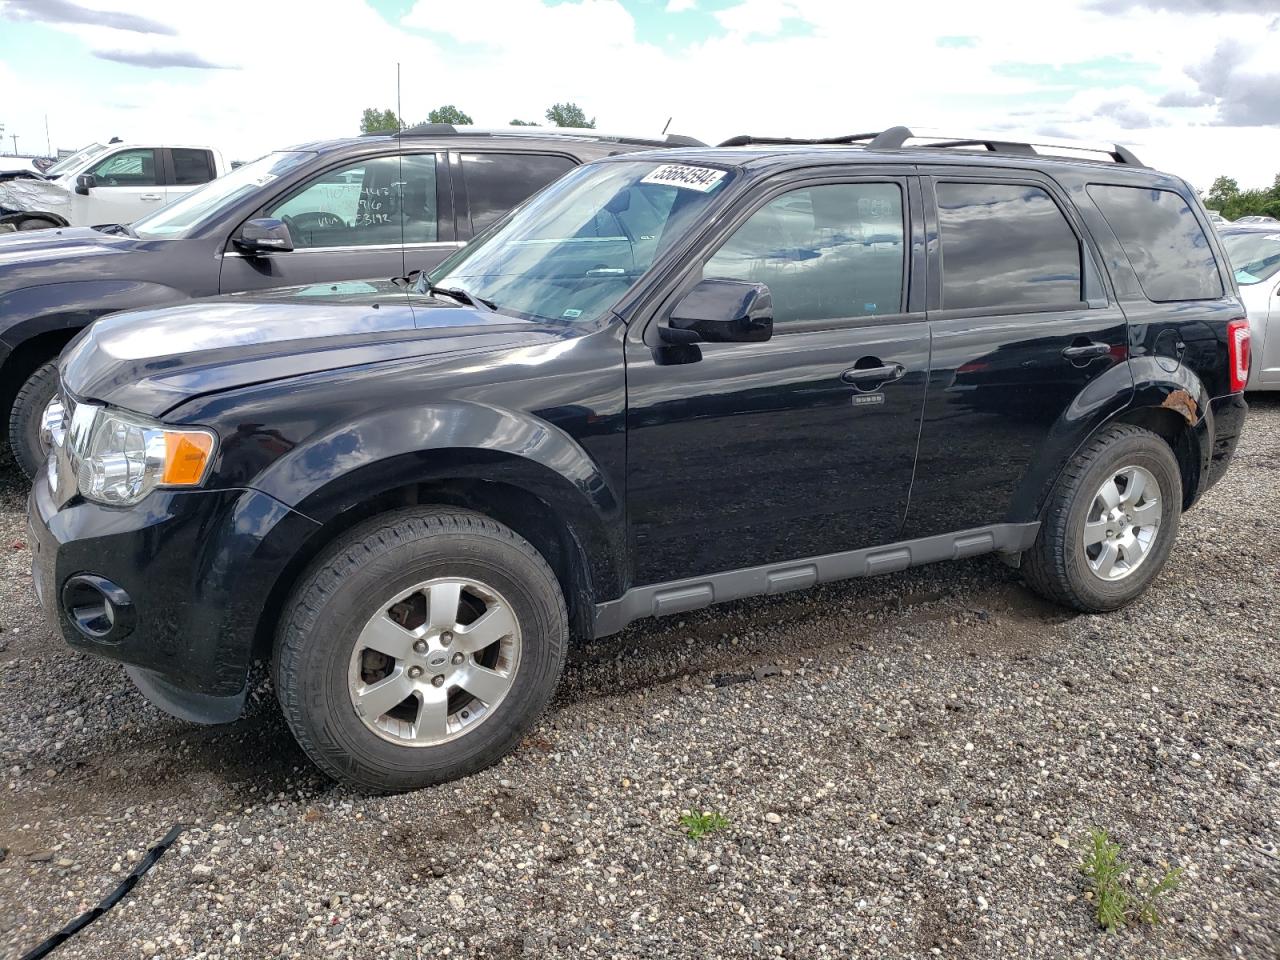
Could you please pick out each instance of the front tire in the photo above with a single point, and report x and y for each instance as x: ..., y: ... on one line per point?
x: 1110, y: 522
x: 420, y: 647
x: 26, y: 418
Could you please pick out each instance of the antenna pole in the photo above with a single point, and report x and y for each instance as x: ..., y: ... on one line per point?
x: 664, y: 129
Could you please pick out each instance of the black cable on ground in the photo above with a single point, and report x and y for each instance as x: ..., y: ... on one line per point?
x: 119, y: 893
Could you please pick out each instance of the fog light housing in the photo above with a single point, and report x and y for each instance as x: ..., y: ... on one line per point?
x: 100, y: 610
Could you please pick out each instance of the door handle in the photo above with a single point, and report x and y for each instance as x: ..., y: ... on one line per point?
x: 1086, y: 351
x: 149, y: 196
x: 863, y: 376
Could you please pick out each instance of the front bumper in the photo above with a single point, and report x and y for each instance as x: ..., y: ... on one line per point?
x: 197, y: 568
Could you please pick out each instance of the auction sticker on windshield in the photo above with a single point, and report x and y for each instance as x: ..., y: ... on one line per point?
x: 701, y: 179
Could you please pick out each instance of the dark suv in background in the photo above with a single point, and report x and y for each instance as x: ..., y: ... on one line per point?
x: 666, y: 381
x: 372, y: 206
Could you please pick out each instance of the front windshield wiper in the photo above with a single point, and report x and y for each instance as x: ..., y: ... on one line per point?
x: 117, y: 228
x: 464, y: 298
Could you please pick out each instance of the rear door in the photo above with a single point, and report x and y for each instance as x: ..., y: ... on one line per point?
x: 490, y: 183
x: 1021, y: 324
x: 187, y: 168
x: 377, y: 217
x: 130, y: 184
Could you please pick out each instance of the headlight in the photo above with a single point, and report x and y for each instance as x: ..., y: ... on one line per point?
x: 123, y: 457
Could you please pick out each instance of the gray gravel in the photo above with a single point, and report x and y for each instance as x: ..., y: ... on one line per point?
x: 908, y: 765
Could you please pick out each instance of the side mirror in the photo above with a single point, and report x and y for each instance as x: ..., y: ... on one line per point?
x: 84, y: 183
x: 721, y: 311
x: 265, y: 235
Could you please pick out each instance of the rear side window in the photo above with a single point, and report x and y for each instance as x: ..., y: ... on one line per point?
x: 496, y: 182
x: 1163, y: 241
x: 192, y: 166
x: 1005, y: 245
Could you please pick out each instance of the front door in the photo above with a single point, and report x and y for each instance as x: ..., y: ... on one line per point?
x: 743, y: 454
x: 1021, y: 325
x: 376, y: 218
x: 129, y: 186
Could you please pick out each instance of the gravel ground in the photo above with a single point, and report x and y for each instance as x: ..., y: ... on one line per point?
x: 908, y: 766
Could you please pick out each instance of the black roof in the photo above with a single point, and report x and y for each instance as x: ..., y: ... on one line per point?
x: 590, y: 144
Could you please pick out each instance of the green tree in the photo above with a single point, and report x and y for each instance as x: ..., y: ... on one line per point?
x: 568, y: 115
x: 1222, y: 193
x: 449, y: 114
x: 523, y: 123
x: 374, y: 120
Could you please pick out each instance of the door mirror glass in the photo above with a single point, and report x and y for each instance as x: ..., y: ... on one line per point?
x: 265, y: 235
x: 84, y: 183
x: 722, y: 311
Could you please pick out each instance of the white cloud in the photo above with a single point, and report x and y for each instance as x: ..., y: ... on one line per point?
x: 305, y: 70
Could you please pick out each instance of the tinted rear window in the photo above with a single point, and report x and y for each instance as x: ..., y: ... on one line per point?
x: 1005, y: 245
x: 496, y: 182
x: 1163, y: 241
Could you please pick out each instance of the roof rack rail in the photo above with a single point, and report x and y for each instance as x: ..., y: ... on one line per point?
x: 449, y: 130
x: 746, y: 140
x: 895, y: 138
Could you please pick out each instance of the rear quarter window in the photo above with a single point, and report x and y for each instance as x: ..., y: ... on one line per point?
x: 1163, y: 240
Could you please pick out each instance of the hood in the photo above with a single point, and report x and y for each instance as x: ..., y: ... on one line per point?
x: 35, y: 257
x: 28, y: 195
x: 149, y: 361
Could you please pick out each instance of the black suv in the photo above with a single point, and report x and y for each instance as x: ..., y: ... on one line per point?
x: 666, y: 381
x: 335, y: 210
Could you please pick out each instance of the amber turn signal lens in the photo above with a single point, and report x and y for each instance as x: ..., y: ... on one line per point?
x: 185, y: 456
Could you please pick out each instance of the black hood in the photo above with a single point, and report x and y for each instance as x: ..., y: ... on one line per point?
x: 152, y: 360
x: 29, y: 257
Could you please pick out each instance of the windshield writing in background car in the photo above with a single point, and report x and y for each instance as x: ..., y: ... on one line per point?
x: 573, y: 250
x: 1254, y: 256
x: 194, y: 208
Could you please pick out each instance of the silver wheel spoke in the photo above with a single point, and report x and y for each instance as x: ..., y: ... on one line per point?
x: 1133, y: 551
x: 433, y: 717
x: 494, y: 624
x: 375, y: 699
x: 442, y: 602
x: 1095, y: 531
x: 1110, y: 494
x: 386, y: 637
x: 1135, y: 483
x: 1106, y: 562
x: 484, y: 684
x: 1147, y: 515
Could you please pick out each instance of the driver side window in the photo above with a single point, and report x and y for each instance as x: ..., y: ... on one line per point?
x: 386, y: 200
x: 826, y: 252
x: 128, y: 168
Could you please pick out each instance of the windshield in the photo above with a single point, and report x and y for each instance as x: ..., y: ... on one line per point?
x: 81, y: 156
x: 1255, y: 256
x: 573, y: 250
x: 192, y: 209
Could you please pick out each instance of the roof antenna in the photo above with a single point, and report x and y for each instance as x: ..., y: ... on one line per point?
x: 664, y: 129
x: 400, y: 161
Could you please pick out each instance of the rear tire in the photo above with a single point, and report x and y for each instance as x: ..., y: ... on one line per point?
x: 1091, y: 555
x: 26, y: 418
x: 330, y: 653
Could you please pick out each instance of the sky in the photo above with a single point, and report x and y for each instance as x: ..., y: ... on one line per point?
x: 1192, y: 86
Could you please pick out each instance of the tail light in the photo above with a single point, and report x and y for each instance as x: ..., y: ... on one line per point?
x: 1238, y: 353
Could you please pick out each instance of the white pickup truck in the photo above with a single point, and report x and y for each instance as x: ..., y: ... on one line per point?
x: 115, y: 183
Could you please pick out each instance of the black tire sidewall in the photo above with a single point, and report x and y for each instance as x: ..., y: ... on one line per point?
x: 353, y: 752
x: 1154, y: 455
x: 25, y: 417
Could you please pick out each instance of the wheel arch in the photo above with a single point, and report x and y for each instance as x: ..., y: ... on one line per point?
x: 1173, y: 404
x: 577, y: 541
